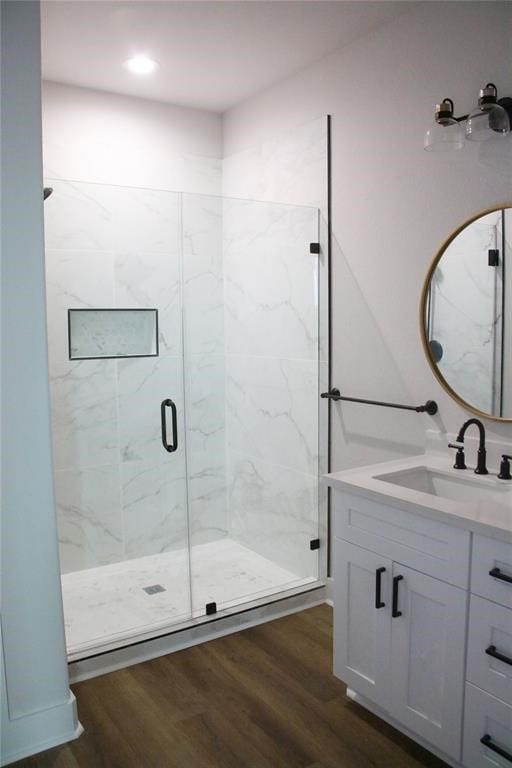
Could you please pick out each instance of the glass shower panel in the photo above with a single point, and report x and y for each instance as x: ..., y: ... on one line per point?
x: 121, y: 495
x: 251, y: 356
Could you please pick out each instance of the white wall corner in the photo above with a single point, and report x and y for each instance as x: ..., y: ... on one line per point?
x: 38, y: 709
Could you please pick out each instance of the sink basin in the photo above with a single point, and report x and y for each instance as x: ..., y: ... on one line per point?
x: 462, y: 487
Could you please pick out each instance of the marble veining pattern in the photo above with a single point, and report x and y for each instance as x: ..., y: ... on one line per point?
x: 88, y: 507
x: 142, y: 280
x: 272, y: 410
x: 274, y: 511
x: 154, y: 507
x: 203, y: 275
x: 102, y: 604
x: 102, y: 217
x: 84, y: 413
x: 271, y: 293
x: 272, y: 354
x: 272, y: 316
x: 270, y: 171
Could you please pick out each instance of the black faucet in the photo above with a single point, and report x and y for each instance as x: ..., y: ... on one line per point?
x: 481, y: 469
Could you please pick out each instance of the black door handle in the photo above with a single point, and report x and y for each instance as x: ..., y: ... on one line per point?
x: 491, y: 651
x: 497, y: 574
x: 394, y: 609
x: 171, y: 447
x: 378, y: 586
x: 487, y: 742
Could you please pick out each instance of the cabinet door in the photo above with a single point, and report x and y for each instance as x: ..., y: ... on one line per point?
x: 427, y: 658
x: 361, y: 630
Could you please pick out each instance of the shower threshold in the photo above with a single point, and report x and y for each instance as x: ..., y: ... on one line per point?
x: 115, y: 605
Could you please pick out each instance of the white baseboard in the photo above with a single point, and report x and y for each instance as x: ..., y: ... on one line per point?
x: 25, y: 736
x: 329, y: 592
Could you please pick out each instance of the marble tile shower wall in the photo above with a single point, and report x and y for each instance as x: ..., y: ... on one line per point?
x: 119, y: 494
x: 203, y: 313
x: 241, y: 277
x: 271, y: 338
x: 276, y: 345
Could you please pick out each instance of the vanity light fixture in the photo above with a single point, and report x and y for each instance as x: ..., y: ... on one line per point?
x: 491, y: 118
x: 141, y: 65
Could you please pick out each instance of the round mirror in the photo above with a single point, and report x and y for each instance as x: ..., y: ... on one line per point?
x: 466, y: 314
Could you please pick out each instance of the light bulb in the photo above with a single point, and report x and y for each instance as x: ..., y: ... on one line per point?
x: 141, y: 65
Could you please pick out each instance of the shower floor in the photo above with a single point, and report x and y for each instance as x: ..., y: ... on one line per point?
x: 109, y: 604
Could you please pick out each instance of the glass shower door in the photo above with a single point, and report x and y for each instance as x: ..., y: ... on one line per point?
x: 251, y: 310
x: 116, y: 380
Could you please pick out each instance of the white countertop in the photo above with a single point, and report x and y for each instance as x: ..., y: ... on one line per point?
x: 487, y: 515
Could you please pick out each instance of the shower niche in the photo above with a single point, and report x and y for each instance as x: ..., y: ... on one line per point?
x: 103, y: 333
x: 214, y: 305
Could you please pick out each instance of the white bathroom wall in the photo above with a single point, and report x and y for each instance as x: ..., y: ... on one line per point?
x: 392, y: 203
x: 36, y: 706
x: 102, y: 137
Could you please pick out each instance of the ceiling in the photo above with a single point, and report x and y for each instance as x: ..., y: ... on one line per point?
x: 213, y: 54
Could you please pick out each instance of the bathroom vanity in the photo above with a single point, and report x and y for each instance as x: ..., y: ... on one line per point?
x: 423, y: 603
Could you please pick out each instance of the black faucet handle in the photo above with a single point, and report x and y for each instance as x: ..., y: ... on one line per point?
x: 481, y: 456
x: 504, y: 473
x: 459, y: 456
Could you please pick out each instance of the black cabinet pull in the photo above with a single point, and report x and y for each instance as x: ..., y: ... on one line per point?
x: 497, y: 574
x: 378, y: 586
x: 171, y: 447
x: 491, y: 651
x: 487, y: 742
x: 394, y: 610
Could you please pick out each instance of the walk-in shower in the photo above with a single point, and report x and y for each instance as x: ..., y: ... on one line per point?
x: 184, y: 353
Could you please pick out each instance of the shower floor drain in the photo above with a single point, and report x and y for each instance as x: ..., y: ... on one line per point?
x: 153, y: 589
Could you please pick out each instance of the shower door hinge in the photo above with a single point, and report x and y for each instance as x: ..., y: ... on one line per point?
x: 314, y: 544
x: 314, y: 247
x: 494, y: 257
x: 211, y: 608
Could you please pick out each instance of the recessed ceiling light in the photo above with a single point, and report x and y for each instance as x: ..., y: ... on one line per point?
x: 141, y: 65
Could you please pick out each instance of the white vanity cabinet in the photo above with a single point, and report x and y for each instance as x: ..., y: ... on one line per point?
x: 423, y: 603
x: 399, y: 632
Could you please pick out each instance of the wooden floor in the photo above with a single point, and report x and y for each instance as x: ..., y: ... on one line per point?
x: 262, y: 698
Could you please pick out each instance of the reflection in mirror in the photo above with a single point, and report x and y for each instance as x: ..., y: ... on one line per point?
x: 466, y: 314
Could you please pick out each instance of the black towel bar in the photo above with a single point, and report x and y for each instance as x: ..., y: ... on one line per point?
x: 430, y: 406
